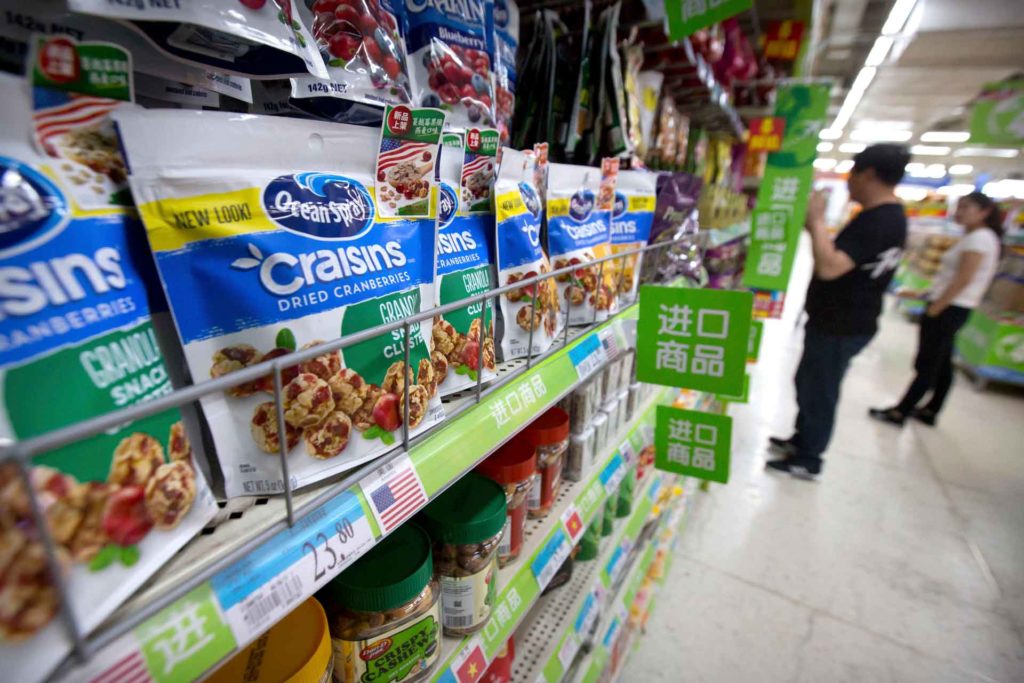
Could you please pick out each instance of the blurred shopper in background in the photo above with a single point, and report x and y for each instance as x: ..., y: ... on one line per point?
x: 844, y: 299
x: 964, y: 275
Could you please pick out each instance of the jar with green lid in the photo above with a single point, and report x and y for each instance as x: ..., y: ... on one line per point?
x: 608, y: 521
x: 465, y: 523
x: 385, y: 617
x: 590, y: 544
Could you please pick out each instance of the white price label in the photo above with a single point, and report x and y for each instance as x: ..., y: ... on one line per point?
x: 292, y: 565
x: 469, y: 663
x: 626, y: 448
x: 567, y: 653
x: 550, y: 558
x: 394, y: 492
x: 612, y: 484
x: 588, y: 355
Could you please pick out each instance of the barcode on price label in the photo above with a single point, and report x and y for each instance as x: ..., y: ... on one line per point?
x: 550, y: 558
x: 292, y: 565
x: 568, y: 651
x: 626, y: 449
x: 588, y: 355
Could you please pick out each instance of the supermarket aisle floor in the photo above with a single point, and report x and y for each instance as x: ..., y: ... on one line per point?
x: 904, y: 562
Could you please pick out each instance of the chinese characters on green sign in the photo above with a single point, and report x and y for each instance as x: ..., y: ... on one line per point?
x: 693, y: 338
x: 686, y: 17
x: 997, y: 117
x: 693, y: 443
x: 778, y: 216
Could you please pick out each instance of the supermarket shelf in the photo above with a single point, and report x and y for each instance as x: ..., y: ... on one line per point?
x: 982, y: 375
x: 243, y: 562
x: 556, y: 629
x: 546, y: 544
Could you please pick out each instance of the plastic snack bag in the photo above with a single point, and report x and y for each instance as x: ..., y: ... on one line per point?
x: 263, y: 255
x: 518, y: 211
x: 465, y: 267
x: 635, y: 194
x: 76, y: 342
x: 506, y: 41
x: 254, y: 38
x: 577, y: 227
x: 449, y: 61
x: 362, y: 49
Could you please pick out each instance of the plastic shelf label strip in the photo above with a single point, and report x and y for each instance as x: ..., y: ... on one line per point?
x: 551, y: 557
x: 588, y: 355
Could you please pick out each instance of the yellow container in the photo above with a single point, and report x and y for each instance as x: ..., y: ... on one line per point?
x: 297, y: 650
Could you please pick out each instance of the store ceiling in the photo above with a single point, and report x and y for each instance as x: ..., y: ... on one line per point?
x: 947, y: 50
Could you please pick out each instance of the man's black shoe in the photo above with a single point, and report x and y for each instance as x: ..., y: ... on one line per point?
x: 924, y: 415
x: 796, y: 469
x: 891, y: 415
x: 782, y: 446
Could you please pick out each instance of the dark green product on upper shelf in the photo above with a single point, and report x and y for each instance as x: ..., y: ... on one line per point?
x: 590, y: 544
x: 624, y: 498
x: 465, y: 523
x: 386, y: 605
x: 608, y: 521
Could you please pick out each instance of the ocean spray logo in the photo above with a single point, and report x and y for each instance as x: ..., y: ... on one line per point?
x: 447, y: 205
x: 319, y: 204
x: 581, y: 205
x: 620, y: 205
x: 464, y: 11
x: 30, y: 205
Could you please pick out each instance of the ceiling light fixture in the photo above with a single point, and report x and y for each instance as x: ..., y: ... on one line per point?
x: 844, y: 166
x: 825, y: 146
x: 960, y: 169
x: 945, y: 136
x: 852, y: 147
x: 999, y: 153
x: 878, y: 51
x: 914, y: 167
x: 956, y: 189
x: 830, y: 134
x: 935, y: 171
x: 825, y: 164
x: 898, y: 17
x: 929, y: 150
x: 881, y: 135
x: 860, y: 85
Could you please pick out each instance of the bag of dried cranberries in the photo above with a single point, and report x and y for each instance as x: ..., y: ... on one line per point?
x: 450, y: 64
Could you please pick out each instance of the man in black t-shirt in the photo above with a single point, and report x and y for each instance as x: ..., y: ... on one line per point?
x: 844, y: 299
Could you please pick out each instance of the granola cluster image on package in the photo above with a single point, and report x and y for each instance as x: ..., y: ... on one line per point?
x: 279, y: 257
x: 76, y: 343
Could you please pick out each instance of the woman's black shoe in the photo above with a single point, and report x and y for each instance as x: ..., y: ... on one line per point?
x: 924, y: 415
x: 890, y: 415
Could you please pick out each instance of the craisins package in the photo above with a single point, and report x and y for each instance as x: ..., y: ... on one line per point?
x: 254, y: 38
x: 506, y: 40
x: 362, y: 49
x: 449, y: 60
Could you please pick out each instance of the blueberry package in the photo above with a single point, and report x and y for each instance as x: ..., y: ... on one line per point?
x: 254, y: 38
x: 506, y: 42
x: 362, y: 49
x: 449, y: 61
x: 577, y: 229
x: 632, y: 217
x: 261, y: 255
x: 465, y: 267
x: 77, y: 341
x: 519, y: 212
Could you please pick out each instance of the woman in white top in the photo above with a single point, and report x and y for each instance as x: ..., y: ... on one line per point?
x: 964, y: 275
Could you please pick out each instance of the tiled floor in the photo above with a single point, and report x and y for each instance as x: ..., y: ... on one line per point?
x: 904, y: 562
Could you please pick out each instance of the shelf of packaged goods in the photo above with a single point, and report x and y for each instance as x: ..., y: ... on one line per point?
x: 547, y: 542
x: 618, y: 612
x: 249, y: 571
x: 551, y: 636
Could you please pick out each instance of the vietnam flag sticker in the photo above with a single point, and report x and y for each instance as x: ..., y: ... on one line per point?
x: 573, y: 523
x: 473, y: 666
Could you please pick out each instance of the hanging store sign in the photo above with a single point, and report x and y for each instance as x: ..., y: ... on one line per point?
x: 997, y: 117
x: 693, y: 338
x: 766, y: 134
x: 778, y: 216
x: 686, y: 17
x: 693, y: 443
x: 782, y: 40
x: 754, y: 341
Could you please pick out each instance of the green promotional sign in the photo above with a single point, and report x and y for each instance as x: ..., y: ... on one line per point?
x: 686, y: 17
x: 778, y: 216
x: 754, y: 341
x: 693, y: 443
x: 997, y: 117
x: 693, y: 338
x: 741, y: 397
x: 992, y: 344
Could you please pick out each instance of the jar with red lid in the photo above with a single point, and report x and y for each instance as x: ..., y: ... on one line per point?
x: 549, y: 435
x: 514, y: 466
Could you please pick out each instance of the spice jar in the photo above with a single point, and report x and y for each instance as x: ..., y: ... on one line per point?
x: 514, y: 466
x: 549, y: 435
x: 634, y: 399
x: 600, y: 426
x: 465, y: 523
x: 296, y: 650
x: 581, y: 455
x: 387, y: 596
